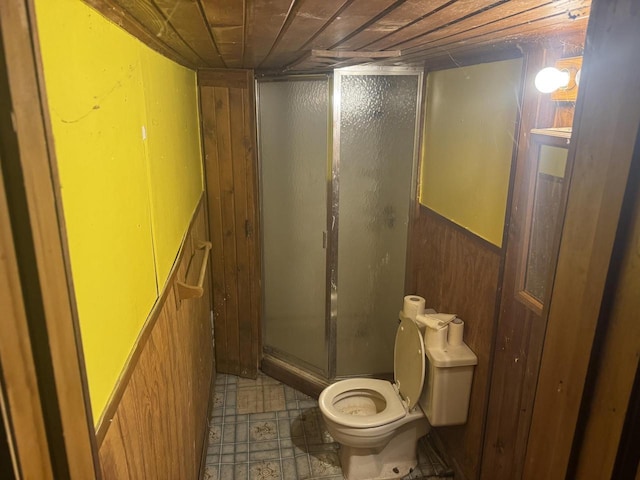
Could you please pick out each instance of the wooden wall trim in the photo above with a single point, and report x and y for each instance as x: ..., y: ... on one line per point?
x: 605, y: 129
x: 19, y: 394
x: 614, y: 361
x: 105, y: 420
x: 227, y: 78
x: 53, y: 328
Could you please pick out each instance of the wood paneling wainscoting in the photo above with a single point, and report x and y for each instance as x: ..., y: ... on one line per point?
x: 458, y: 272
x: 156, y: 422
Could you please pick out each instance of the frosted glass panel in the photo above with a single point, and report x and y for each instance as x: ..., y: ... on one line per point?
x: 293, y: 153
x: 378, y: 115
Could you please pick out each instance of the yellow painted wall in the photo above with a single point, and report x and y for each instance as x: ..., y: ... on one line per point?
x: 468, y: 143
x: 552, y: 160
x: 125, y: 127
x: 175, y: 167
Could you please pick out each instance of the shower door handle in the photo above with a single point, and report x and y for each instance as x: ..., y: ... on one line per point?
x: 324, y: 240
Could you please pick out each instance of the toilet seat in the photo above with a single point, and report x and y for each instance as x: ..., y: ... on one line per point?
x: 399, y: 398
x: 394, y: 410
x: 409, y: 361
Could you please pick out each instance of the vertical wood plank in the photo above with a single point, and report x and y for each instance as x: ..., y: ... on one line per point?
x: 203, y: 362
x: 237, y: 113
x: 212, y: 175
x: 114, y: 451
x: 227, y: 197
x: 229, y: 129
x: 254, y: 221
x: 133, y: 440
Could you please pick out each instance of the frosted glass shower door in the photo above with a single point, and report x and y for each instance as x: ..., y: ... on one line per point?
x: 293, y: 120
x: 376, y: 118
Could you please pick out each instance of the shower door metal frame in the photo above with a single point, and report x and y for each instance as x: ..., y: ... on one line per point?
x: 333, y: 188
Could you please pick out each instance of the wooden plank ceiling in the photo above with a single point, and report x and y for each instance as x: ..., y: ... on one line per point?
x: 287, y: 36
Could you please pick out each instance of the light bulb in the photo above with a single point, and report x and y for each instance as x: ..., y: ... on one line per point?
x: 550, y: 79
x: 578, y: 77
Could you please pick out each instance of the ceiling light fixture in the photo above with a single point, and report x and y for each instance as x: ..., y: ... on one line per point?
x: 561, y: 80
x: 551, y: 79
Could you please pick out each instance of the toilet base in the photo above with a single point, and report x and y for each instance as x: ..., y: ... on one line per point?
x: 395, y: 460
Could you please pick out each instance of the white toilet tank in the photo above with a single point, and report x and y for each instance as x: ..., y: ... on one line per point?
x: 447, y: 387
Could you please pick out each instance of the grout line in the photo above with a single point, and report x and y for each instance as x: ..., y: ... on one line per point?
x: 313, y: 419
x: 279, y: 444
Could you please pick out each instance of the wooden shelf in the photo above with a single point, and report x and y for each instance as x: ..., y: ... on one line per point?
x: 560, y: 132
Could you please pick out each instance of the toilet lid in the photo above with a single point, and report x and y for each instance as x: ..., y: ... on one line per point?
x: 409, y: 361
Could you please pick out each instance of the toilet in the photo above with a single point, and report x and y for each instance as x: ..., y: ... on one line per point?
x: 378, y: 423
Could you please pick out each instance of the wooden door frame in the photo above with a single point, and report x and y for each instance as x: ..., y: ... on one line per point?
x: 20, y: 408
x: 605, y: 128
x: 40, y: 287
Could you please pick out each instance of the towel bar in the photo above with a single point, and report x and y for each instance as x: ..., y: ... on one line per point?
x: 186, y: 291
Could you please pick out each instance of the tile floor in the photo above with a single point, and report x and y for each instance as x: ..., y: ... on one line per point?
x: 264, y: 430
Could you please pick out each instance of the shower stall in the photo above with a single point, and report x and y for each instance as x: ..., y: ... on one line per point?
x: 338, y: 160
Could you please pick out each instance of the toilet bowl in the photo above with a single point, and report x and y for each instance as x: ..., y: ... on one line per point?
x: 378, y: 423
x: 376, y: 433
